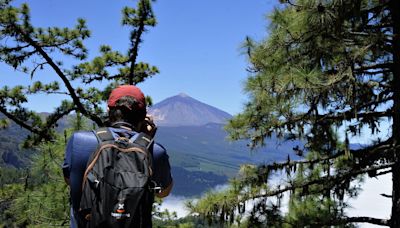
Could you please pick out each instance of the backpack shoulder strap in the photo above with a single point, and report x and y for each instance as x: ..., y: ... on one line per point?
x: 103, y: 134
x: 143, y: 140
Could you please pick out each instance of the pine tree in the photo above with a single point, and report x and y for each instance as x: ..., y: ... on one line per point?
x: 327, y: 68
x: 28, y: 49
x: 41, y: 199
x: 39, y: 196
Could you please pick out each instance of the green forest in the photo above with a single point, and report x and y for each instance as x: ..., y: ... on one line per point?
x: 325, y: 69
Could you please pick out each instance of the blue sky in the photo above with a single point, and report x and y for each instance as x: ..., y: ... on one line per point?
x: 196, y: 45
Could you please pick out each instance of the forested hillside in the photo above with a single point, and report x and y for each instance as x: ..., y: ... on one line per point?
x: 11, y: 151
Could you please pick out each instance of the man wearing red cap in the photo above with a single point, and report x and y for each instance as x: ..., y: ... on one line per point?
x: 127, y: 117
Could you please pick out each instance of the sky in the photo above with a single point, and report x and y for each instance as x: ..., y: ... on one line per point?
x: 195, y: 45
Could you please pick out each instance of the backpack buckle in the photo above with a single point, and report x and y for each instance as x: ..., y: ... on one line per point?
x: 154, y: 187
x: 93, y: 180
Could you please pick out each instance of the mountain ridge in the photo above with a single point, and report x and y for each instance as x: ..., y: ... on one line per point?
x: 183, y: 110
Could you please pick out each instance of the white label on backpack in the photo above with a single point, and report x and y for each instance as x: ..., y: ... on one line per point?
x: 120, y: 215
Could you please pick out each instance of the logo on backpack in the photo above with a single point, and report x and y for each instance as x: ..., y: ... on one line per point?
x: 120, y: 212
x: 117, y: 183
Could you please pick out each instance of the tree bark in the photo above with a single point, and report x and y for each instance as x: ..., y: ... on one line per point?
x: 395, y: 13
x: 135, y: 44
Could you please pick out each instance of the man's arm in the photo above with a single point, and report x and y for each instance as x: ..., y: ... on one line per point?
x: 79, y: 147
x: 66, y: 167
x: 66, y: 179
x: 162, y: 170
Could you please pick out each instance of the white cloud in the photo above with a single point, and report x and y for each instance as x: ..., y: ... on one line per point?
x: 370, y: 203
x: 175, y: 204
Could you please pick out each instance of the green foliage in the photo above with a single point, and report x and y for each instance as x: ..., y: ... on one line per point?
x: 312, y: 211
x: 11, y: 153
x: 186, y: 222
x: 253, y: 200
x: 317, y: 205
x: 10, y: 175
x: 312, y: 64
x: 40, y: 197
x: 4, y: 123
x: 325, y: 66
x: 79, y: 122
x: 30, y: 49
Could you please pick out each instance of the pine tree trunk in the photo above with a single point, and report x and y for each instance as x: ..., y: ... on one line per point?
x: 395, y: 12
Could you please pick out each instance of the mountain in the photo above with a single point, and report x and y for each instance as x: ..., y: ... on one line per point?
x: 206, y: 148
x: 200, y: 154
x: 11, y: 153
x: 11, y: 138
x: 183, y: 110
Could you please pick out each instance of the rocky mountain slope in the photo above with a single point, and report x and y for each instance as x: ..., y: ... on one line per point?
x: 183, y: 110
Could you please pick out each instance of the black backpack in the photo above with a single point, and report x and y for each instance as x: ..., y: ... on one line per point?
x: 117, y: 190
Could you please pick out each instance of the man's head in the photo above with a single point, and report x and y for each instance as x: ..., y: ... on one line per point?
x: 127, y: 103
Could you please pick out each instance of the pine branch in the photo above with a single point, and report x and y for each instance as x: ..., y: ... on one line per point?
x: 387, y: 25
x: 347, y: 220
x: 339, y: 117
x: 54, y: 117
x: 386, y: 195
x: 322, y: 180
x: 382, y: 149
x: 101, y: 77
x: 349, y: 115
x: 58, y: 71
x: 383, y: 173
x: 374, y: 72
x: 294, y: 5
x: 361, y: 69
x: 53, y: 92
x: 376, y: 9
x: 136, y: 41
x: 58, y: 44
x: 376, y: 221
x: 13, y: 49
x: 20, y: 122
x: 40, y: 65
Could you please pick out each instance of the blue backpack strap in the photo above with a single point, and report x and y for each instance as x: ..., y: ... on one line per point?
x: 103, y: 134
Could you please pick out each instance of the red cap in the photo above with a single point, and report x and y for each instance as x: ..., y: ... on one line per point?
x: 127, y: 90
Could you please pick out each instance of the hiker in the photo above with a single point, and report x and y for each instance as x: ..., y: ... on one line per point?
x: 127, y: 118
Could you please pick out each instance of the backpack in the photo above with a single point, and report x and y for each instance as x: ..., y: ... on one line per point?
x: 117, y: 190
